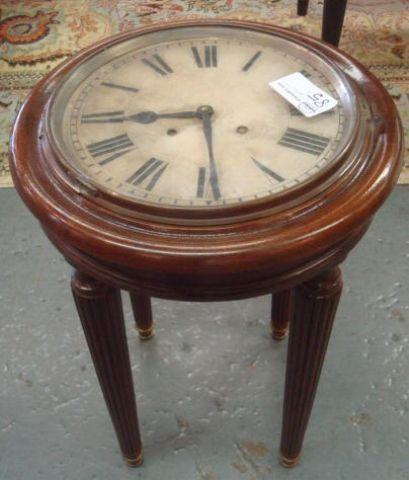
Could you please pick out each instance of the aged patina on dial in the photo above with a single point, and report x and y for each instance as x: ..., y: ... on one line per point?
x: 187, y: 118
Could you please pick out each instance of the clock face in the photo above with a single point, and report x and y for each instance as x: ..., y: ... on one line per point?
x: 186, y: 117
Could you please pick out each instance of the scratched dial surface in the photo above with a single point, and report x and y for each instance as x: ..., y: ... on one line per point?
x: 186, y: 117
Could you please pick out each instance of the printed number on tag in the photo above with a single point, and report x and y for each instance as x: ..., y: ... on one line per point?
x: 309, y: 99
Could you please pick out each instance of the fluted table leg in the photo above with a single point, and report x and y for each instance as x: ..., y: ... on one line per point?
x: 100, y: 310
x: 281, y: 312
x: 315, y: 306
x: 142, y: 310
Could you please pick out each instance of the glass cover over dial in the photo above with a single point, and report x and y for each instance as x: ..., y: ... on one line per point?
x: 186, y: 117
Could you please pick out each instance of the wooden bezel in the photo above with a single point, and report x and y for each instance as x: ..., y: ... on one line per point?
x: 205, y: 214
x: 250, y: 249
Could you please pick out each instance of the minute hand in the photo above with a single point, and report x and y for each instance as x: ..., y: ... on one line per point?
x: 205, y: 115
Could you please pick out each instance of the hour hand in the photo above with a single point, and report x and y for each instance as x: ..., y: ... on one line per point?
x: 150, y: 117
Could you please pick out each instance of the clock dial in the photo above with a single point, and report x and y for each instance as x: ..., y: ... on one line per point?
x: 186, y: 117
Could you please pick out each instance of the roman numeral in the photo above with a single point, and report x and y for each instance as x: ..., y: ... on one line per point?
x: 104, y: 117
x: 252, y: 61
x: 151, y: 170
x: 157, y: 64
x: 119, y: 87
x: 267, y: 171
x: 201, y: 182
x: 209, y: 59
x: 118, y: 146
x: 304, y: 141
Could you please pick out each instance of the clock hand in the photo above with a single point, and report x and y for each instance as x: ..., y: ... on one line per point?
x: 150, y: 117
x: 205, y: 112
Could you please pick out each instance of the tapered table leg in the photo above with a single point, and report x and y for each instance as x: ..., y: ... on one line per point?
x: 302, y: 7
x: 142, y: 310
x: 281, y: 312
x: 100, y: 310
x: 316, y: 302
x: 332, y: 20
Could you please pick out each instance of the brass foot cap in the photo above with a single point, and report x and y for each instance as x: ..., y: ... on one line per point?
x: 134, y: 462
x: 145, y: 334
x: 288, y: 462
x: 279, y: 335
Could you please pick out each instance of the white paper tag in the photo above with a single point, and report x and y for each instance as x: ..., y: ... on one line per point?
x: 303, y: 94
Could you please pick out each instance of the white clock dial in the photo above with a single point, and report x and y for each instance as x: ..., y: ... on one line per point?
x: 189, y: 119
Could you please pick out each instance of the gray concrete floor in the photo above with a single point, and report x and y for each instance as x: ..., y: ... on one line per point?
x: 209, y: 385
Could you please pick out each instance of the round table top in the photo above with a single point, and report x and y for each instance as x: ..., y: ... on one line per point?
x: 291, y: 241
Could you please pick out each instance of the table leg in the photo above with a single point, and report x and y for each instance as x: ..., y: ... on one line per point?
x: 142, y: 310
x: 332, y: 20
x: 100, y: 310
x: 302, y: 7
x: 316, y: 302
x: 282, y: 304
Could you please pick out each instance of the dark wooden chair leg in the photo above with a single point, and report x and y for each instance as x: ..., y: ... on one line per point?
x: 302, y: 7
x: 100, y: 310
x: 142, y: 310
x: 316, y: 302
x: 332, y: 20
x: 281, y: 313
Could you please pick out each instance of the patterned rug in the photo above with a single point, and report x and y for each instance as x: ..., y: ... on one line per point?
x: 37, y: 34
